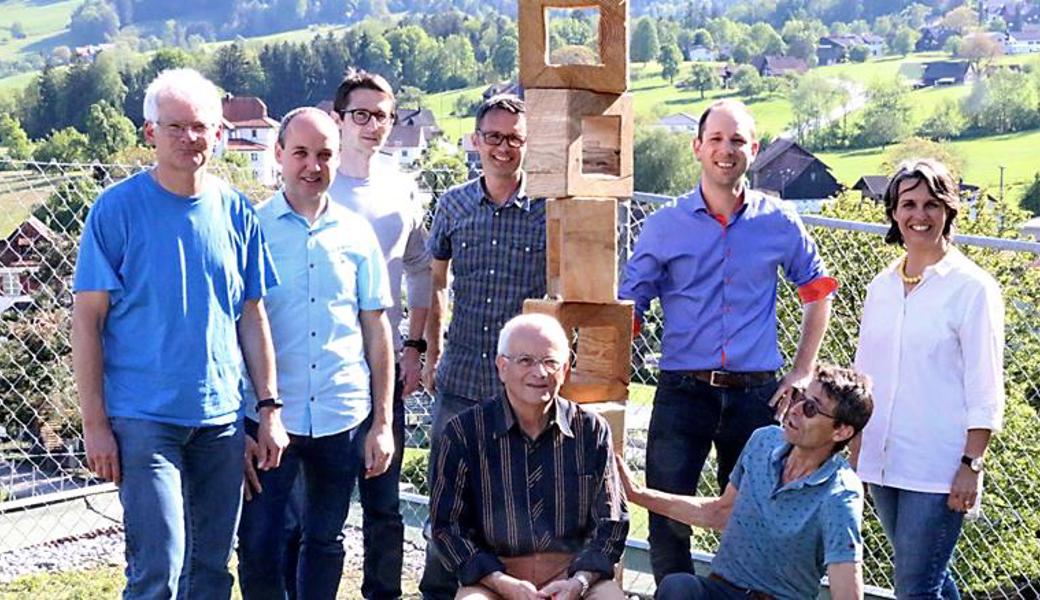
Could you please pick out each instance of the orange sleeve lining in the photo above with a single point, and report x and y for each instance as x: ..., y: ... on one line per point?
x: 817, y: 289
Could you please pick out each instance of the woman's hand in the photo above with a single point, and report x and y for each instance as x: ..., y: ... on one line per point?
x: 964, y: 490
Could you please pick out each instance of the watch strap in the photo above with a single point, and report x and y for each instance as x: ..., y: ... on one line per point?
x: 266, y: 402
x: 419, y: 345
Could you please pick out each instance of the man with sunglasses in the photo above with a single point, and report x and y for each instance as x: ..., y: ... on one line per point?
x: 713, y: 259
x: 793, y: 506
x: 525, y: 500
x: 492, y: 236
x: 370, y: 184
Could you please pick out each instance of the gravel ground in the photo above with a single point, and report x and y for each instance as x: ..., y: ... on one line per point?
x: 104, y: 548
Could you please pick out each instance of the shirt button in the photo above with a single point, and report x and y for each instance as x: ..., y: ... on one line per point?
x: 489, y: 300
x: 527, y: 248
x: 463, y: 244
x: 485, y: 328
x: 312, y: 265
x: 312, y: 398
x: 312, y: 299
x: 314, y: 333
x: 314, y: 366
x: 491, y: 272
x: 483, y: 354
x: 494, y: 242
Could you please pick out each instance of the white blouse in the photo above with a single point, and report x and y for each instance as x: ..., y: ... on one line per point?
x: 936, y: 358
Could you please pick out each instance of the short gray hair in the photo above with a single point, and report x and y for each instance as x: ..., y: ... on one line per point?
x: 187, y: 83
x: 539, y: 322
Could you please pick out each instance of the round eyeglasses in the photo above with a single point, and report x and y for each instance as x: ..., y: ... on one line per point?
x: 551, y: 364
x: 362, y: 116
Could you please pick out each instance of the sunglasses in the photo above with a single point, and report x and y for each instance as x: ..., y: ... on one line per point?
x: 810, y: 406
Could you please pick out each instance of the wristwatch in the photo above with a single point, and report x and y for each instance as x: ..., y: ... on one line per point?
x: 583, y: 579
x: 419, y: 345
x: 275, y: 402
x: 975, y: 464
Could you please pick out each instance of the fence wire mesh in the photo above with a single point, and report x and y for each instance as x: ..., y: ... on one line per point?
x: 42, y: 208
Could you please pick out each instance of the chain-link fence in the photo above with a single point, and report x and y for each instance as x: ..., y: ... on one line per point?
x: 47, y: 496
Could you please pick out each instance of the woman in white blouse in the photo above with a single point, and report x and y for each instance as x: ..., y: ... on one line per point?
x: 932, y: 341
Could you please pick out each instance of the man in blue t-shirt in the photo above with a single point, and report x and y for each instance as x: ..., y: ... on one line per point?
x: 169, y: 284
x: 793, y: 506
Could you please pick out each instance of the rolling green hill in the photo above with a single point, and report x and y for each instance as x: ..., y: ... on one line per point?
x: 45, y: 24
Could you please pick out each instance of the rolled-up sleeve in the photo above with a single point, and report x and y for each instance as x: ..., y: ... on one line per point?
x: 450, y: 518
x: 804, y: 267
x: 982, y: 345
x: 609, y: 516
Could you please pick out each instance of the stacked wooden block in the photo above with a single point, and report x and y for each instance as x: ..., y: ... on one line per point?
x: 579, y: 119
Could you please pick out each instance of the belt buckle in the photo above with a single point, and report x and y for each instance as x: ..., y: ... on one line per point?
x: 711, y: 379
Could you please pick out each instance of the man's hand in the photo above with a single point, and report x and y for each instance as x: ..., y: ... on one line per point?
x: 251, y: 484
x: 102, y: 451
x: 429, y: 372
x: 632, y: 489
x: 411, y: 370
x: 379, y: 450
x: 511, y: 588
x: 272, y: 439
x: 781, y: 400
x: 963, y: 491
x: 564, y: 589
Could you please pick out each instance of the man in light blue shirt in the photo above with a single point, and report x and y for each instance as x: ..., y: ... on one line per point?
x: 335, y: 367
x: 793, y: 506
x: 169, y: 286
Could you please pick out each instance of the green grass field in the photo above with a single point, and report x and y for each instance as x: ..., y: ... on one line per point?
x: 46, y: 25
x: 983, y: 158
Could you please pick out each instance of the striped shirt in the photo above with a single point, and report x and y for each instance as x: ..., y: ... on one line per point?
x: 497, y: 256
x: 497, y: 493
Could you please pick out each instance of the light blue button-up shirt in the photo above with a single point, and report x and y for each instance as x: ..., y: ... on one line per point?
x: 780, y: 538
x: 330, y: 270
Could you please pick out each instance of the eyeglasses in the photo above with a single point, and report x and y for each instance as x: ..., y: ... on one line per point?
x: 362, y: 116
x: 494, y: 138
x: 551, y: 364
x: 179, y: 129
x: 810, y: 406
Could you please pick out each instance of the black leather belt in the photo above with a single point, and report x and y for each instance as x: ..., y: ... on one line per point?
x: 731, y: 379
x: 756, y: 595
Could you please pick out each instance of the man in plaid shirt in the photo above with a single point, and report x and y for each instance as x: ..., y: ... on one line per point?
x: 492, y: 236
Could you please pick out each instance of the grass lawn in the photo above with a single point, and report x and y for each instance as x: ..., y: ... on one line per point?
x: 46, y: 25
x: 443, y: 104
x: 983, y: 158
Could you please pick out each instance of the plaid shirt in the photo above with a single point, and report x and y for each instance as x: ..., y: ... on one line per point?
x: 497, y: 493
x: 497, y: 259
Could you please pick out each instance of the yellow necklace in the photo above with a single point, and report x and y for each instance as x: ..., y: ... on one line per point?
x: 906, y: 278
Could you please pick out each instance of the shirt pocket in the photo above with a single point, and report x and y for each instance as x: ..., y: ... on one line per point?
x: 338, y: 274
x: 471, y: 251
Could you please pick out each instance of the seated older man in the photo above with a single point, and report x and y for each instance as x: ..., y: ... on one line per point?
x: 525, y: 497
x: 793, y: 506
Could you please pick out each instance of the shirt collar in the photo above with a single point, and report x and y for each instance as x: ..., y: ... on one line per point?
x: 560, y: 415
x: 519, y: 197
x: 332, y: 215
x: 694, y: 202
x: 821, y: 475
x: 953, y: 259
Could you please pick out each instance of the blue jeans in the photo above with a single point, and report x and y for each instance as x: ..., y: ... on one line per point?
x: 684, y: 586
x: 923, y: 532
x: 383, y: 526
x: 438, y: 583
x: 689, y: 416
x: 329, y: 467
x: 181, y: 493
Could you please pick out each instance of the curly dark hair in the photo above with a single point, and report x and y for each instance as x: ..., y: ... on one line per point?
x: 852, y: 394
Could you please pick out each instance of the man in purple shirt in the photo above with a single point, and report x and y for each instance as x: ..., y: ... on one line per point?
x: 712, y: 260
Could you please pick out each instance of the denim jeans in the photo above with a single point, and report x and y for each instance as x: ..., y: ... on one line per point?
x: 684, y: 586
x: 383, y: 526
x: 329, y: 466
x: 181, y: 493
x: 923, y: 532
x: 689, y: 416
x: 438, y: 583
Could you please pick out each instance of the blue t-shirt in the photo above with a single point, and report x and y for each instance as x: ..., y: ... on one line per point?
x: 177, y: 270
x: 780, y: 538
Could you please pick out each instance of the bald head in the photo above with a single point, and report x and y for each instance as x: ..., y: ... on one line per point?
x: 313, y: 117
x: 732, y: 109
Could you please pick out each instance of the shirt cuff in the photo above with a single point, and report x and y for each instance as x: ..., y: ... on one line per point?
x: 596, y: 562
x: 817, y: 289
x: 479, y: 566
